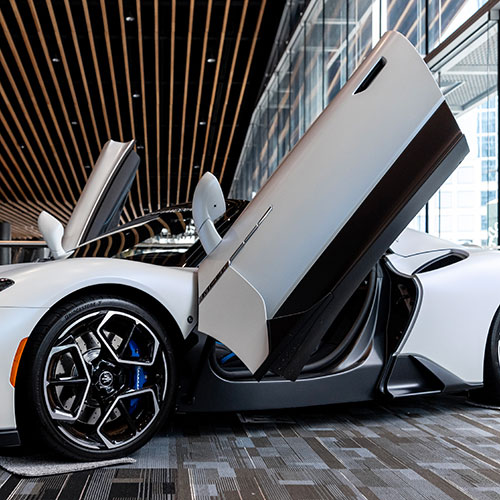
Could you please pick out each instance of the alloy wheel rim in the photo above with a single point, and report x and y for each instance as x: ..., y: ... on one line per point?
x: 105, y: 380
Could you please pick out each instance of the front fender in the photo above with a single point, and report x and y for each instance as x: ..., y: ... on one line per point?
x: 17, y: 323
x: 38, y: 287
x: 43, y: 284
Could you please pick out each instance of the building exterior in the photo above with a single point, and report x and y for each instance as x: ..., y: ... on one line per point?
x: 332, y: 38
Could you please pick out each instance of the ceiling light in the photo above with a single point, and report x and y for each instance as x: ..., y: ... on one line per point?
x: 74, y: 123
x: 211, y: 60
x: 22, y: 146
x: 56, y: 60
x: 203, y: 123
x: 196, y: 166
x: 136, y: 96
x: 87, y: 167
x: 140, y: 146
x: 130, y: 19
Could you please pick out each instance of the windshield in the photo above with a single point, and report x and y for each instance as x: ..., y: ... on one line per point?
x: 166, y: 238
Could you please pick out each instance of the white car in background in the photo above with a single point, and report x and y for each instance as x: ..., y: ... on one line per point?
x: 312, y: 293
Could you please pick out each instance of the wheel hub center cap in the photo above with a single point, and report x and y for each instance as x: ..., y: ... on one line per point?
x: 106, y: 379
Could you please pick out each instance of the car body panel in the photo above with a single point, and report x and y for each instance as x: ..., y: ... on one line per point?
x: 241, y: 296
x: 330, y: 170
x: 455, y: 311
x: 411, y: 264
x: 41, y: 285
x: 461, y: 352
x: 17, y: 323
x: 413, y: 251
x: 412, y: 242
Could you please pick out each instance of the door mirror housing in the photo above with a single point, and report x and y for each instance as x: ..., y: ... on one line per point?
x: 52, y: 231
x: 208, y: 206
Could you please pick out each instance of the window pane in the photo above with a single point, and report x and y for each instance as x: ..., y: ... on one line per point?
x: 408, y: 17
x: 314, y: 64
x: 465, y: 175
x: 263, y: 146
x: 297, y: 88
x: 465, y: 199
x: 489, y: 170
x: 360, y: 32
x: 272, y: 133
x: 470, y: 87
x: 284, y: 109
x: 445, y: 16
x: 335, y: 72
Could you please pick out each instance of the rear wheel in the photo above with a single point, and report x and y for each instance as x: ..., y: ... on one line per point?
x: 490, y: 393
x: 99, y: 376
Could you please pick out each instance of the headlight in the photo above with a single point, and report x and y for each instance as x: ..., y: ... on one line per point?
x: 5, y: 283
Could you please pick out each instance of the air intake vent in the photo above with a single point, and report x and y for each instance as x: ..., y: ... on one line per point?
x: 443, y: 261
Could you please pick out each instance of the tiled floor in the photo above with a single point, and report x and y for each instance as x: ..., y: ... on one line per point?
x: 434, y: 448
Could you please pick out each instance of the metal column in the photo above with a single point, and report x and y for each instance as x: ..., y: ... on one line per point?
x: 5, y: 234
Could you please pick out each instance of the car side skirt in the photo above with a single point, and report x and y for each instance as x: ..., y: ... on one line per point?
x: 410, y: 375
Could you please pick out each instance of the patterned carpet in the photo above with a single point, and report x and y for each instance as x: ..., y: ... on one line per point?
x: 432, y: 448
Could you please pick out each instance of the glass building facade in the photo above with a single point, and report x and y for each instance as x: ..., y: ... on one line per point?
x: 330, y: 41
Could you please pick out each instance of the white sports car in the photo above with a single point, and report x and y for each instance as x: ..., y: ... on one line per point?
x: 312, y: 293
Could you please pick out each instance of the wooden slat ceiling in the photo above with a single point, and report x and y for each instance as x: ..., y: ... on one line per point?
x: 180, y: 77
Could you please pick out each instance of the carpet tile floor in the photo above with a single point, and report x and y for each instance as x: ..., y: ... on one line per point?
x: 422, y: 448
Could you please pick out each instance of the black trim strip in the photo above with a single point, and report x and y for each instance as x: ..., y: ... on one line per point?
x: 214, y: 281
x: 218, y: 276
x: 310, y: 309
x: 9, y: 438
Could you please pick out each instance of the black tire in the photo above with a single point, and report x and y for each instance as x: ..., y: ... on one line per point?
x: 490, y: 393
x: 97, y: 379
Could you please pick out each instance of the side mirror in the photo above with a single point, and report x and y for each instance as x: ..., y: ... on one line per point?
x: 208, y: 206
x: 52, y: 231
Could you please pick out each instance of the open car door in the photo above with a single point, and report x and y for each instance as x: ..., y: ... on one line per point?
x: 274, y: 284
x: 100, y: 205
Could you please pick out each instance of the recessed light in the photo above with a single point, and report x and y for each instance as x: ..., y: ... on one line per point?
x: 74, y: 123
x: 203, y: 123
x: 136, y: 96
x: 130, y: 19
x: 140, y: 146
x: 211, y: 60
x: 196, y: 166
x: 22, y: 146
x: 56, y: 60
x: 87, y: 167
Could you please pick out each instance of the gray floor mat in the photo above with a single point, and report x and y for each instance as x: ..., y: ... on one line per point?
x: 427, y: 448
x: 40, y: 465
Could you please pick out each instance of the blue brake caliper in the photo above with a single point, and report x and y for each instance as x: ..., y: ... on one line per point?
x: 138, y: 377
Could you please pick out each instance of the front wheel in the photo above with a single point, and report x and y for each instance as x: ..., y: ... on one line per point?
x: 99, y: 376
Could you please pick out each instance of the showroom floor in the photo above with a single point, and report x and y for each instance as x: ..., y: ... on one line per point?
x: 433, y: 447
